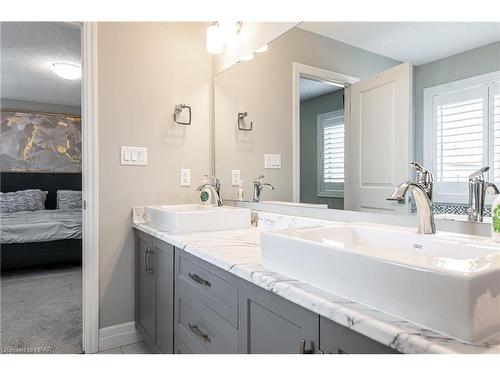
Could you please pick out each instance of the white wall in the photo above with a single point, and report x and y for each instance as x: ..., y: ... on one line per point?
x: 143, y: 69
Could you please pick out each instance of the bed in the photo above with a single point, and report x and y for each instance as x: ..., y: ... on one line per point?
x: 44, y: 237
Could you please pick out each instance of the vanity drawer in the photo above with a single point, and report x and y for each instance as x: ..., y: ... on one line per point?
x: 199, y: 330
x: 214, y: 287
x: 337, y: 339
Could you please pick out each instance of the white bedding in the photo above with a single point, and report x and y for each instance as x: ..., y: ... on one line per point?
x: 40, y: 226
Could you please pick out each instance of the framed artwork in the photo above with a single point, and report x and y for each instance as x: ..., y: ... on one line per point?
x: 40, y: 142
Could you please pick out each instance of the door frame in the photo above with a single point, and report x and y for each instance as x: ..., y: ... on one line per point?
x: 90, y: 189
x: 309, y: 71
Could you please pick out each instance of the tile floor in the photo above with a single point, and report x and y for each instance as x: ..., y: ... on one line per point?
x: 136, y: 348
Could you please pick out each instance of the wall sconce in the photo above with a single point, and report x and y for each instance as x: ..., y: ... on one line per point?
x: 221, y: 33
x: 215, y: 44
x: 241, y: 122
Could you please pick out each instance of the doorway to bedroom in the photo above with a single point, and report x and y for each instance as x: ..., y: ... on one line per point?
x: 41, y: 188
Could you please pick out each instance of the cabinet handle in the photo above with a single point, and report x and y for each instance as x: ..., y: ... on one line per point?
x: 302, y: 348
x: 194, y: 328
x: 199, y: 280
x: 146, y: 256
x: 150, y: 268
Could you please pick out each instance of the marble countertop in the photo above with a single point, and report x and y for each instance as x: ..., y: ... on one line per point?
x: 238, y: 252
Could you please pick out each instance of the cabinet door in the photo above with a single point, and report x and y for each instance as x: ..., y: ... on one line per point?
x: 337, y: 339
x: 163, y: 275
x: 144, y: 287
x: 270, y: 324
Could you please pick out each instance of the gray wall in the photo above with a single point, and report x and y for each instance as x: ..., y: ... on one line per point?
x: 309, y: 110
x: 466, y: 64
x: 263, y: 88
x: 22, y: 105
x: 144, y: 69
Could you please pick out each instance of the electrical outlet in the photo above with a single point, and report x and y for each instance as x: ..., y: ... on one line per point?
x: 185, y: 175
x: 235, y: 177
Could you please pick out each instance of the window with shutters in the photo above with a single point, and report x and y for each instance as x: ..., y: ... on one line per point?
x: 462, y: 133
x: 331, y: 154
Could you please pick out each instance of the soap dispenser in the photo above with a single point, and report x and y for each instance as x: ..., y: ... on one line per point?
x: 240, y: 191
x: 495, y: 219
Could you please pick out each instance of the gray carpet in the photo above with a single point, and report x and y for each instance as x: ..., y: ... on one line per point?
x: 41, y: 311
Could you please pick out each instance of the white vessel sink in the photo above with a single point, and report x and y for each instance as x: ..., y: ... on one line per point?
x: 196, y: 218
x: 447, y: 282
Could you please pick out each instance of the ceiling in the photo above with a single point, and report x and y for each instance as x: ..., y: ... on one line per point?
x: 417, y: 42
x: 27, y: 50
x: 310, y: 89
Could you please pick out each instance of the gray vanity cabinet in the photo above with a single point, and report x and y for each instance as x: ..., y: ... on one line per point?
x: 337, y: 339
x: 154, y: 307
x: 270, y: 324
x: 144, y: 313
x: 214, y: 312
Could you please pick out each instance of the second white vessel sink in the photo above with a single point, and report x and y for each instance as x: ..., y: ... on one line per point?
x: 446, y: 282
x: 197, y: 218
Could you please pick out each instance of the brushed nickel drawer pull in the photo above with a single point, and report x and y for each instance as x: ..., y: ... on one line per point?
x: 194, y: 328
x: 199, y: 280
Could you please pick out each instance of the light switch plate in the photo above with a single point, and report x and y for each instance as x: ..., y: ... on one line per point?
x: 235, y: 177
x: 272, y: 161
x: 133, y: 155
x: 185, y: 175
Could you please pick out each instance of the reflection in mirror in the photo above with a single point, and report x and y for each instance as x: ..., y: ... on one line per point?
x: 322, y: 136
x: 339, y: 110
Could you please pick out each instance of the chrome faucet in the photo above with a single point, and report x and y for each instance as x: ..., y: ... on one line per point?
x: 257, y: 188
x: 477, y: 191
x: 214, y: 186
x: 422, y: 192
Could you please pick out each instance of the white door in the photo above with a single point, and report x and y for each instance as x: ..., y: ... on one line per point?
x: 378, y: 140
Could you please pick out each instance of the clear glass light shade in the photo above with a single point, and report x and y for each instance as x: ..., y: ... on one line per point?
x: 215, y: 43
x: 66, y: 70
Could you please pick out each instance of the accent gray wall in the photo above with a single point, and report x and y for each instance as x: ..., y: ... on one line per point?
x: 463, y: 65
x: 309, y: 110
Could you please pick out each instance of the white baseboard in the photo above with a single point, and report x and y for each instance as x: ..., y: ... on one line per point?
x: 118, y: 335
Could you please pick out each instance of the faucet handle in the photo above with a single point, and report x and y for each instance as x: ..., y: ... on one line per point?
x: 215, y: 180
x: 424, y: 176
x: 479, y: 174
x: 257, y: 179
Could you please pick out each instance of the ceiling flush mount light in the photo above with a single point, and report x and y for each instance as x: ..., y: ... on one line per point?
x: 261, y: 49
x: 66, y: 70
x: 215, y: 44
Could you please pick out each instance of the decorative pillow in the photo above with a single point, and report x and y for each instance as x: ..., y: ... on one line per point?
x: 69, y: 199
x: 23, y: 200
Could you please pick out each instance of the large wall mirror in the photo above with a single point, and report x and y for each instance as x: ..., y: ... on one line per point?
x: 332, y: 114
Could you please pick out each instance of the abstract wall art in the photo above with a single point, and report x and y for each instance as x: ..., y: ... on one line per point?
x: 40, y: 142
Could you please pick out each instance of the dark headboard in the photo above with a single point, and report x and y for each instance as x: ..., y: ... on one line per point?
x: 51, y: 182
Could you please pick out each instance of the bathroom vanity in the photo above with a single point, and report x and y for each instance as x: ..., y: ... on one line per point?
x: 187, y: 305
x: 208, y: 292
